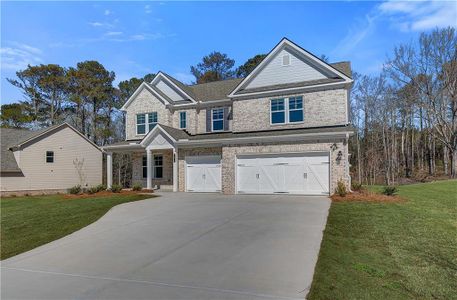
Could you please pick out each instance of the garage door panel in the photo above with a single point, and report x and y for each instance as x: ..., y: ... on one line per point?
x: 270, y: 178
x: 213, y: 178
x: 247, y: 178
x: 317, y: 181
x: 294, y: 178
x: 203, y: 173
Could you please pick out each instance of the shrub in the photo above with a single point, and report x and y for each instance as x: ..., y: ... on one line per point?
x: 116, y: 188
x: 92, y: 190
x: 389, y: 190
x: 101, y: 187
x: 341, y: 189
x: 137, y: 187
x: 357, y: 187
x: 75, y: 190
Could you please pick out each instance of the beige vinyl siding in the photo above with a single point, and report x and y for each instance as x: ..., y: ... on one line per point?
x: 68, y: 146
x: 275, y: 73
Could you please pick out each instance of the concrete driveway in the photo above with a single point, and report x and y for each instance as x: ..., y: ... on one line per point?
x: 180, y: 246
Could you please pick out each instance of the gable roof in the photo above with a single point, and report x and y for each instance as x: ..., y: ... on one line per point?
x: 335, y: 70
x: 13, y: 139
x: 216, y: 90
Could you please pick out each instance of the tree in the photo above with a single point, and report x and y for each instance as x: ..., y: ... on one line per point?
x: 16, y: 115
x: 214, y: 67
x: 249, y: 65
x: 128, y: 87
x: 45, y: 88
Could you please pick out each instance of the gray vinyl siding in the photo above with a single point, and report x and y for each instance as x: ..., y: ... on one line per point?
x: 169, y: 91
x: 275, y: 73
x: 62, y: 174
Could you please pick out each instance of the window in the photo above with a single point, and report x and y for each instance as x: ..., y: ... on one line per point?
x: 141, y: 126
x: 182, y: 120
x: 158, y: 166
x: 278, y: 112
x: 145, y: 166
x: 287, y: 110
x: 152, y: 120
x: 49, y: 156
x: 295, y: 109
x: 217, y: 115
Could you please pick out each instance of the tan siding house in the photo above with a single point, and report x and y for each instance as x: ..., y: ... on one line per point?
x: 51, y: 160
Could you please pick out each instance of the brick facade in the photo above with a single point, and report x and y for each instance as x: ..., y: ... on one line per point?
x: 137, y: 168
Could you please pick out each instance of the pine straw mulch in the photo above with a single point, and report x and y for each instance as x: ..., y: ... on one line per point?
x: 108, y: 193
x: 367, y: 196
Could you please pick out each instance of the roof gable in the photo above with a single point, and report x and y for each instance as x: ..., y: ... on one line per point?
x: 302, y: 67
x: 145, y: 86
x: 172, y: 88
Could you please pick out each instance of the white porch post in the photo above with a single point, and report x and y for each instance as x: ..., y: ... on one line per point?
x: 175, y: 170
x: 149, y: 169
x: 109, y: 170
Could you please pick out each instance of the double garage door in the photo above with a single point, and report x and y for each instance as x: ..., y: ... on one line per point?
x: 263, y: 174
x: 283, y: 173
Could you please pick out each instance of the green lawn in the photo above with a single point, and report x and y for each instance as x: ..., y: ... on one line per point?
x: 402, y: 250
x: 28, y: 222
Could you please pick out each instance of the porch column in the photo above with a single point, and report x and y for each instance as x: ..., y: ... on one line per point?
x: 149, y: 169
x: 109, y: 170
x: 175, y: 170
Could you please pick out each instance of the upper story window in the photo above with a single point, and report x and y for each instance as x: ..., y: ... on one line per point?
x: 287, y: 110
x: 49, y: 156
x: 182, y: 120
x: 217, y: 119
x: 142, y: 126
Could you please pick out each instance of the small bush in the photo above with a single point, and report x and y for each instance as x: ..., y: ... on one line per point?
x: 137, y: 187
x: 389, y: 190
x: 341, y: 189
x: 101, y: 187
x: 92, y: 190
x: 75, y: 190
x: 116, y: 188
x: 357, y: 187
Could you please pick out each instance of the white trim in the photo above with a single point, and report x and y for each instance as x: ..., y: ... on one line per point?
x: 287, y: 111
x: 185, y: 119
x: 281, y: 45
x: 150, y: 133
x: 154, y: 166
x: 223, y: 119
x: 163, y: 76
x: 138, y: 90
x: 146, y: 124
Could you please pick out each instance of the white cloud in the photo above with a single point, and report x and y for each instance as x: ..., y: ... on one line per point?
x: 420, y: 15
x: 147, y: 9
x: 17, y: 56
x: 184, y: 77
x: 107, y: 12
x: 112, y: 33
x: 101, y: 24
x: 356, y: 34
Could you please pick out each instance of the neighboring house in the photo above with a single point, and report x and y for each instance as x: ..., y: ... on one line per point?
x: 282, y: 129
x: 48, y: 160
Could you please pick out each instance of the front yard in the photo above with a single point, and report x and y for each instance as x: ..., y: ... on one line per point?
x: 404, y: 250
x: 28, y: 222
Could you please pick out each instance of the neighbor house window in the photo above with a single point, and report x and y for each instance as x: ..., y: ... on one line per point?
x: 217, y: 115
x: 142, y: 126
x: 158, y: 166
x: 278, y: 112
x: 145, y: 166
x: 182, y: 120
x: 49, y: 156
x: 295, y: 109
x: 287, y: 110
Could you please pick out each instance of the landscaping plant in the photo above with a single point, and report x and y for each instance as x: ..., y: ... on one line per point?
x: 75, y: 190
x: 137, y: 187
x: 116, y: 188
x: 341, y: 189
x: 390, y: 190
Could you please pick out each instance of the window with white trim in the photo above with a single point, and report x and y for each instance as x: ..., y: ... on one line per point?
x: 182, y: 120
x: 217, y: 119
x: 49, y: 156
x: 142, y: 127
x: 145, y: 166
x: 158, y: 166
x: 286, y: 110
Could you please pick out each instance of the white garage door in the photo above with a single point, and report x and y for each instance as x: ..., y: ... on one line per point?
x: 283, y: 173
x: 203, y: 173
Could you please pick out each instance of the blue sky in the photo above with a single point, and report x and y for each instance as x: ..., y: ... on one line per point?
x: 136, y: 38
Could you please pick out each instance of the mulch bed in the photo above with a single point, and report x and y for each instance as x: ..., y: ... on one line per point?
x: 366, y: 196
x: 107, y: 193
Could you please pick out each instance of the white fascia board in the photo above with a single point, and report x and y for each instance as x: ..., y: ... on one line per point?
x: 138, y: 90
x: 160, y: 75
x: 152, y: 132
x: 122, y: 147
x: 285, y: 42
x: 300, y: 88
x: 276, y: 138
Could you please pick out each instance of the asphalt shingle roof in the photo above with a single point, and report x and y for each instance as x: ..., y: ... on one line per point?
x: 10, y: 137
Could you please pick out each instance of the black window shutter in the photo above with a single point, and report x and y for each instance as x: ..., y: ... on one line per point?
x: 226, y: 118
x: 208, y: 120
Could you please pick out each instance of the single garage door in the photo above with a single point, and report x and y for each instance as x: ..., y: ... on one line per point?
x: 203, y: 173
x: 306, y: 173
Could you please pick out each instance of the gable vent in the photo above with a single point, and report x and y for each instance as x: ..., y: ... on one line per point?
x: 286, y: 60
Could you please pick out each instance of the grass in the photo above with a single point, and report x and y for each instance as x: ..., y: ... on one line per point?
x: 403, y: 250
x: 28, y: 222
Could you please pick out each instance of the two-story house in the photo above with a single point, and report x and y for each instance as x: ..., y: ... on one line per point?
x: 282, y: 129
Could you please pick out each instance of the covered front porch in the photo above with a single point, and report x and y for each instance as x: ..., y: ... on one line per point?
x: 154, y: 161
